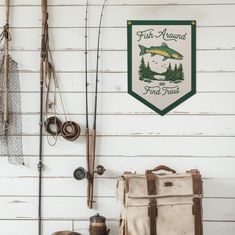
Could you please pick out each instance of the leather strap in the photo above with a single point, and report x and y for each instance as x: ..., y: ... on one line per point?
x: 152, y: 210
x: 197, y: 211
x: 197, y: 182
x: 197, y: 202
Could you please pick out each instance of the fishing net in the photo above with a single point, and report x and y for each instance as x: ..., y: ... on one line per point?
x: 11, y: 132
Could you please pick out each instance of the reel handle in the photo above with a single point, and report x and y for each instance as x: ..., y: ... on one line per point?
x: 100, y: 170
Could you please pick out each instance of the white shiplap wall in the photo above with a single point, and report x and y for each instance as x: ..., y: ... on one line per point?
x: 200, y: 132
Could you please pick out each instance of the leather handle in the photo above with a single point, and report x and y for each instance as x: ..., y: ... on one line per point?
x: 161, y: 167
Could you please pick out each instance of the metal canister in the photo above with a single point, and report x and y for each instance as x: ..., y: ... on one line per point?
x: 98, y: 225
x: 66, y: 233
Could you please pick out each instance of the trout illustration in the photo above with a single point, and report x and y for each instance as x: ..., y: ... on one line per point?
x: 162, y: 50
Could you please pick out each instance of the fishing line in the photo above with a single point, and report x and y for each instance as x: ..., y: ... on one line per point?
x: 53, y: 125
x: 70, y: 130
x: 52, y: 84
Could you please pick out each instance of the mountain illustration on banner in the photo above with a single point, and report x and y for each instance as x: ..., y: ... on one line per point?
x: 163, y: 50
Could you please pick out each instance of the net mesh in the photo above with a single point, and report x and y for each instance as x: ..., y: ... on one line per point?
x: 11, y: 134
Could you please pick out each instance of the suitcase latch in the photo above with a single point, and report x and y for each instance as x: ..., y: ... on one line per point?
x: 168, y: 184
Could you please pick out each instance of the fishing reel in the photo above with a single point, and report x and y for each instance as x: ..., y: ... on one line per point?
x: 80, y: 173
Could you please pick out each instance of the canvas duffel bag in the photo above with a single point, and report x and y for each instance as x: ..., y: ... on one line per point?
x: 160, y: 204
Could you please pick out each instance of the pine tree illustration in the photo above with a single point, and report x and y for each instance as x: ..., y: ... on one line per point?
x: 149, y: 73
x: 142, y: 69
x: 175, y: 73
x: 169, y: 73
x: 181, y: 72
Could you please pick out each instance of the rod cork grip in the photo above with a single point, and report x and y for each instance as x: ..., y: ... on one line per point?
x: 41, y: 70
x: 93, y: 149
x: 87, y: 149
x: 7, y: 5
x: 92, y: 168
x: 88, y: 164
x: 44, y: 11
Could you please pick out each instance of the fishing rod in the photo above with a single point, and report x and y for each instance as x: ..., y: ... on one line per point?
x: 93, y: 151
x: 87, y: 135
x: 42, y: 78
x: 80, y: 173
x: 70, y: 130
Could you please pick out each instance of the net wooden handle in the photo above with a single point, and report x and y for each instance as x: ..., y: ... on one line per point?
x: 44, y: 11
x: 7, y: 5
x: 6, y: 75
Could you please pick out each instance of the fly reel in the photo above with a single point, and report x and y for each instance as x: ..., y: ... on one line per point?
x: 80, y: 173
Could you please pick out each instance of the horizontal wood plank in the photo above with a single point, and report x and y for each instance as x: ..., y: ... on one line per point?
x: 29, y: 227
x: 132, y: 146
x: 109, y: 103
x: 117, y: 82
x: 104, y: 187
x: 65, y: 166
x: 74, y: 15
x: 118, y: 2
x: 68, y: 39
x: 128, y: 125
x: 153, y: 146
x: 75, y: 208
x: 72, y: 61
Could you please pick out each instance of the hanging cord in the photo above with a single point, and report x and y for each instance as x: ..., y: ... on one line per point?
x: 93, y: 152
x: 51, y: 88
x: 50, y: 105
x: 69, y: 130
